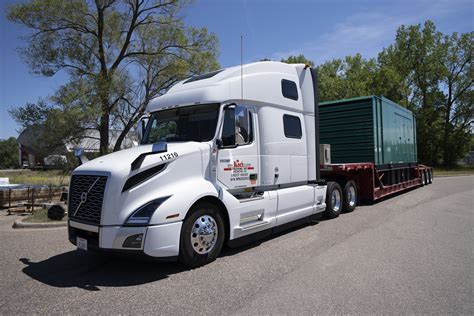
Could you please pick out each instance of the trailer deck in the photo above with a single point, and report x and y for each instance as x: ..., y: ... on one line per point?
x: 372, y: 183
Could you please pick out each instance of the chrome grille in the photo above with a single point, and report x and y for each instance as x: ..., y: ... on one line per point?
x: 86, y: 194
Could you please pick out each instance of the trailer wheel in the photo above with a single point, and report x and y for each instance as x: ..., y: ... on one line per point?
x: 333, y: 200
x: 349, y: 197
x: 202, y: 235
x: 430, y: 176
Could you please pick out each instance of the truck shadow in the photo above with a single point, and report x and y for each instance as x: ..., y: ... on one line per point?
x: 89, y: 271
x: 252, y: 243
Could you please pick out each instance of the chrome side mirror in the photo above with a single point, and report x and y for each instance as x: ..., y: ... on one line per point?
x: 79, y: 153
x: 141, y: 128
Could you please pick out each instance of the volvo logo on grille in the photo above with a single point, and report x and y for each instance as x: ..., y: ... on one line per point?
x: 83, y: 197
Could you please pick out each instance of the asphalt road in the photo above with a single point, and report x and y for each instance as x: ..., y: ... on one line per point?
x: 413, y: 253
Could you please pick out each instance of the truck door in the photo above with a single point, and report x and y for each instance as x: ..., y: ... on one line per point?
x: 238, y: 163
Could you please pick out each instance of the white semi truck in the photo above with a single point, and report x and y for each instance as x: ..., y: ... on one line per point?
x: 224, y: 156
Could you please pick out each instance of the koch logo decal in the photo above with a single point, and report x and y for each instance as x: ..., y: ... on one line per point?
x: 240, y: 170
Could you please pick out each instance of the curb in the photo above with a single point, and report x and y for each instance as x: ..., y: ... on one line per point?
x: 20, y: 224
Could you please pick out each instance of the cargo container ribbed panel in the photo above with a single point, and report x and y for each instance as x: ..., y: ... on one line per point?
x: 368, y: 129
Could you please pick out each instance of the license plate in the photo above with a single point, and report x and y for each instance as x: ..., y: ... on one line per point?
x: 81, y: 243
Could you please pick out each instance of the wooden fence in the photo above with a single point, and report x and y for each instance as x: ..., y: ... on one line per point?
x: 25, y: 198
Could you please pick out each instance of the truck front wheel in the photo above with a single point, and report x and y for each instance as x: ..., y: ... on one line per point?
x: 202, y: 235
x: 333, y: 200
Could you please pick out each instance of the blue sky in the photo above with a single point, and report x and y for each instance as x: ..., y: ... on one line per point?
x: 319, y: 29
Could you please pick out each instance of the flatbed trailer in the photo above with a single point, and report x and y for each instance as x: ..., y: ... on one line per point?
x: 374, y: 183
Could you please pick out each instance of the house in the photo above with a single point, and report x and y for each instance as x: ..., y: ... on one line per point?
x: 31, y: 153
x: 91, y: 141
x: 469, y: 158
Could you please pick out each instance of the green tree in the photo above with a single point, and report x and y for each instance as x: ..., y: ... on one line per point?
x: 434, y: 78
x: 457, y: 80
x: 332, y: 85
x: 53, y: 124
x: 350, y: 77
x: 8, y: 153
x: 300, y: 59
x: 121, y: 54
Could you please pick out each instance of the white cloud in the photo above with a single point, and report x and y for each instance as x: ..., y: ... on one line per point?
x: 361, y: 33
x: 368, y: 32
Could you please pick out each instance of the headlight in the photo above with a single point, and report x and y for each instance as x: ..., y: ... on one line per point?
x: 143, y: 214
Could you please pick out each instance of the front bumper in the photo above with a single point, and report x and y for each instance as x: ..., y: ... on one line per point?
x: 158, y: 240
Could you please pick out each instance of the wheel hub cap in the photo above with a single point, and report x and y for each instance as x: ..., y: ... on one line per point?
x: 336, y: 200
x: 351, y: 196
x: 204, y: 234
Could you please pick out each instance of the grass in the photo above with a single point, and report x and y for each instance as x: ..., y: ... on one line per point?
x: 61, y: 178
x: 35, y: 177
x: 40, y: 215
x: 453, y: 171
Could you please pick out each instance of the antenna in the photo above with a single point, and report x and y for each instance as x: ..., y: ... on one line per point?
x: 241, y: 69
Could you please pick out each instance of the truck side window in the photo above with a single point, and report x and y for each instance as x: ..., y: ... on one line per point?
x: 289, y: 90
x: 292, y: 126
x: 237, y: 128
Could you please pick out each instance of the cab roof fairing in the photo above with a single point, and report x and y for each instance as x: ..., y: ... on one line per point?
x: 261, y: 81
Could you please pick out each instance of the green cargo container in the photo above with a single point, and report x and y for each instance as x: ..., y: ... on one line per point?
x: 368, y: 129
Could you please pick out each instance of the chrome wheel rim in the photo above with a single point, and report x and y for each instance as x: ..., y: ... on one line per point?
x: 336, y: 200
x: 204, y: 234
x: 351, y: 196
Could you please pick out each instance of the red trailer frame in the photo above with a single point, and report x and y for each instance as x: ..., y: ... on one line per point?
x: 370, y: 181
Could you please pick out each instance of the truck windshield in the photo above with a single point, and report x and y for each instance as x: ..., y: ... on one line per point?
x: 191, y: 123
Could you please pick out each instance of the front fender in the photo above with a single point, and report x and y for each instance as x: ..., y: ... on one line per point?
x: 183, y: 195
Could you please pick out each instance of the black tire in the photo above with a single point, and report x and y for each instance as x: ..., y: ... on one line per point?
x: 423, y: 177
x: 333, y: 203
x: 56, y: 212
x: 430, y: 176
x: 349, y: 194
x: 187, y: 253
x: 426, y: 177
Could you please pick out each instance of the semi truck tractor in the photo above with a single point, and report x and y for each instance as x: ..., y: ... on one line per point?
x: 234, y: 155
